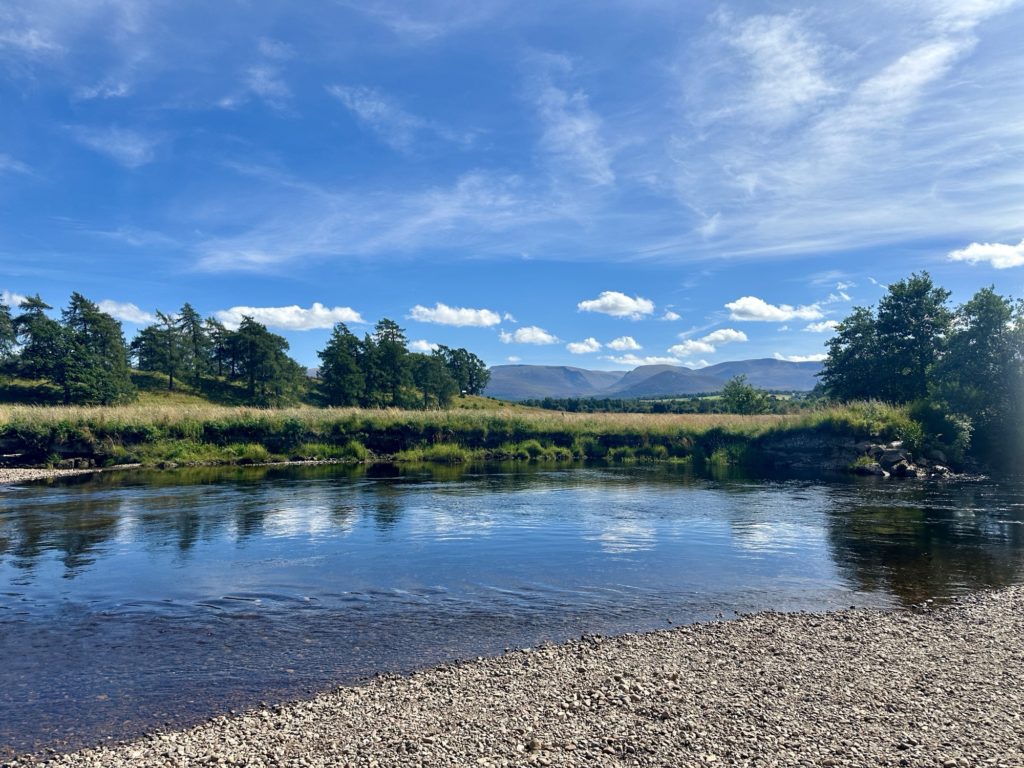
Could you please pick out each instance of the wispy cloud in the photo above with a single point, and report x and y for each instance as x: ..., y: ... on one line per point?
x: 9, y: 165
x: 633, y: 360
x: 442, y: 314
x: 128, y: 147
x: 293, y: 318
x: 391, y: 123
x: 998, y: 255
x: 572, y: 131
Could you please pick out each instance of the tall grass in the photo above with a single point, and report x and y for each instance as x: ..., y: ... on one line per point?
x: 115, y: 434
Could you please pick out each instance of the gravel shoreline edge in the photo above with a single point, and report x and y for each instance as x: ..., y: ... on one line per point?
x: 941, y: 687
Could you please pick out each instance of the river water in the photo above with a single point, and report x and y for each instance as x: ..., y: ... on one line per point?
x: 136, y: 600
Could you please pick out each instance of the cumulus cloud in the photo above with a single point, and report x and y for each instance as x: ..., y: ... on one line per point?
x: 634, y: 360
x: 11, y: 299
x: 123, y: 310
x: 692, y: 347
x: 825, y: 326
x: 708, y: 344
x: 293, y: 318
x: 800, y: 358
x: 421, y: 345
x: 442, y: 314
x: 528, y: 334
x: 624, y: 343
x: 618, y: 305
x: 998, y: 255
x: 754, y: 309
x: 585, y: 347
x: 725, y: 336
x: 670, y: 316
x: 514, y: 359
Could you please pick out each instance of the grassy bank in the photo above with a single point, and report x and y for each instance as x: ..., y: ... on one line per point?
x: 190, y: 433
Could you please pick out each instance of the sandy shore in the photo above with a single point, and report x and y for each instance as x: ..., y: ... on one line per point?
x: 858, y: 688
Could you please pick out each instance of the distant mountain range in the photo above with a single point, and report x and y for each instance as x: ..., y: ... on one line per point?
x: 532, y: 382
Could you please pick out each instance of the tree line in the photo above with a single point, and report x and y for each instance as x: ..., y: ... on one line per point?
x: 84, y: 354
x: 960, y: 369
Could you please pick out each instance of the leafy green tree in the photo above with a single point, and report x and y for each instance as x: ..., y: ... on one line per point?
x: 740, y: 397
x: 220, y: 341
x: 982, y: 372
x: 342, y: 380
x: 431, y: 377
x: 468, y: 370
x: 852, y: 367
x: 910, y: 329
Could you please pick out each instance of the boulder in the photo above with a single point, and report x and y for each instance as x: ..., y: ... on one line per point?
x: 892, y: 457
x: 871, y: 470
x: 906, y: 469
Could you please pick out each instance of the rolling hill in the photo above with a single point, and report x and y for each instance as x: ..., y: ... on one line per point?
x: 526, y: 382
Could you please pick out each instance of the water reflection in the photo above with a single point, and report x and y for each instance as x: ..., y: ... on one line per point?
x: 176, y: 594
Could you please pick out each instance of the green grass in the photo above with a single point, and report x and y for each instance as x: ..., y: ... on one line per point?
x: 183, y: 431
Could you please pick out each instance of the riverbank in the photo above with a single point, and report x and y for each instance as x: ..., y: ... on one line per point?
x: 943, y: 687
x: 831, y: 439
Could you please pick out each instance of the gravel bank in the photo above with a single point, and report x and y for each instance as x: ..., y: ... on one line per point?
x: 11, y: 475
x: 858, y: 688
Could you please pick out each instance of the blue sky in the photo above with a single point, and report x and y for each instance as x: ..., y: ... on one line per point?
x: 596, y: 184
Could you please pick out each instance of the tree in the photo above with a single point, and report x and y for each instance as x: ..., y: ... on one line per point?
x: 431, y: 377
x: 159, y: 347
x: 220, y: 339
x: 342, y: 380
x: 42, y: 339
x: 195, y: 344
x: 8, y: 337
x: 982, y: 372
x: 852, y: 368
x: 910, y: 329
x: 388, y: 364
x: 740, y: 397
x: 468, y: 370
x: 94, y: 368
x: 272, y: 378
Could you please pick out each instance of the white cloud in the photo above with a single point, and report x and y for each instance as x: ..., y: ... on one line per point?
x: 584, y: 347
x: 509, y: 317
x: 670, y: 316
x: 8, y: 163
x: 529, y: 334
x: 787, y: 68
x: 266, y: 82
x: 825, y: 326
x: 293, y: 318
x: 800, y: 358
x: 844, y: 285
x: 421, y: 345
x: 998, y: 255
x: 691, y: 347
x: 442, y: 314
x: 725, y: 336
x: 634, y: 360
x: 392, y: 124
x: 126, y: 311
x: 11, y: 299
x: 757, y: 310
x: 514, y: 359
x: 127, y: 147
x: 572, y: 134
x: 618, y: 305
x: 624, y: 343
